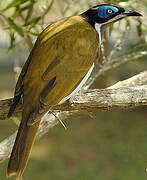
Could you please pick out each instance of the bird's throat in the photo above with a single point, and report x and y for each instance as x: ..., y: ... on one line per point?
x: 98, y: 29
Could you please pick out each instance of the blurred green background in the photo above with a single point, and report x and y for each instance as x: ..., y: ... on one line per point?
x: 110, y: 146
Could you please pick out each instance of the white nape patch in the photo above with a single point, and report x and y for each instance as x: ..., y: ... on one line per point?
x: 98, y: 29
x: 79, y: 86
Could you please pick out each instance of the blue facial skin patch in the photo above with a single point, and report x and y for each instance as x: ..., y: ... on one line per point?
x: 106, y: 11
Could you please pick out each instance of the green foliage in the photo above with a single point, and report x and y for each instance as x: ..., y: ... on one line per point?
x: 14, y: 3
x: 15, y: 26
x: 32, y: 22
x: 22, y: 20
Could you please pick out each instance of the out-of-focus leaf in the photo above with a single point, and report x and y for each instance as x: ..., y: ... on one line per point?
x: 12, y: 39
x: 48, y: 8
x: 30, y: 10
x: 16, y: 13
x: 27, y: 7
x: 24, y: 8
x: 14, y: 3
x: 33, y: 21
x: 17, y: 28
x: 34, y: 33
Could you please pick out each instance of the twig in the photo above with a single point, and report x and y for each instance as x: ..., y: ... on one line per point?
x: 117, y: 61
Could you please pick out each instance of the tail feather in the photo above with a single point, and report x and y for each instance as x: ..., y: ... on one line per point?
x: 22, y: 147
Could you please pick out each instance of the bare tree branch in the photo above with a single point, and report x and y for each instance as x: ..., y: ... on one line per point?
x: 137, y: 80
x: 115, y: 62
x: 120, y: 95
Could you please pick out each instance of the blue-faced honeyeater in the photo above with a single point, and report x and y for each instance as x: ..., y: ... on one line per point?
x: 59, y: 64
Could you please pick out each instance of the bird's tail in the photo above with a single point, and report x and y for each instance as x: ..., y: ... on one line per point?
x: 22, y: 147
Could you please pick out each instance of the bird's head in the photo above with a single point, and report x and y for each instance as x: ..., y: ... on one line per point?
x: 106, y: 13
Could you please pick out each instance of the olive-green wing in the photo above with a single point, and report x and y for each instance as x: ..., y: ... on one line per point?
x: 62, y: 55
x: 59, y: 62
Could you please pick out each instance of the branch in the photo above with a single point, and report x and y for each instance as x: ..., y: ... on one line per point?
x: 88, y: 100
x: 117, y: 61
x: 137, y: 80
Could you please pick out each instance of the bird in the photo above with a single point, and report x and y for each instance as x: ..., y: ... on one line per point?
x: 59, y: 64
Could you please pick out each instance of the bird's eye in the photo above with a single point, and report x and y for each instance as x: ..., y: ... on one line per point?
x: 109, y: 11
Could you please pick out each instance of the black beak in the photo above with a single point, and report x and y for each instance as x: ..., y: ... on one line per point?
x: 131, y: 13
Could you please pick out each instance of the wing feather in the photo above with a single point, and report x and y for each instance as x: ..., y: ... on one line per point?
x: 66, y: 52
x: 64, y: 49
